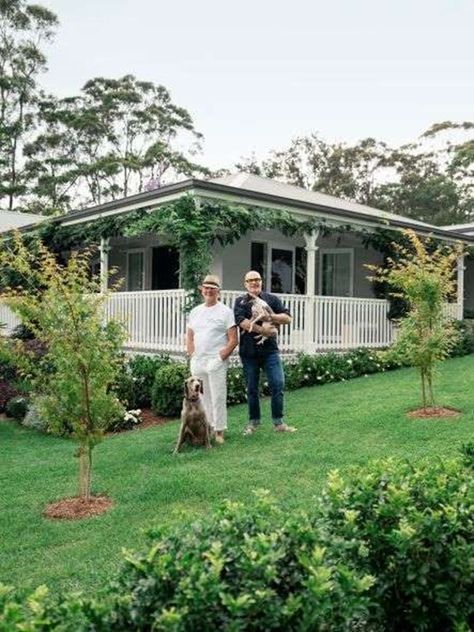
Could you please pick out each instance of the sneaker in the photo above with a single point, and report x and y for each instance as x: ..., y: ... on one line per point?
x: 250, y: 429
x: 219, y: 438
x: 284, y: 428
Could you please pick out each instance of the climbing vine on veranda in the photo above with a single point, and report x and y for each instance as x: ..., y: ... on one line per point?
x: 193, y: 225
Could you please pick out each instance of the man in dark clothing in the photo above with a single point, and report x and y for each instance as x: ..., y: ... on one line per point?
x: 265, y: 356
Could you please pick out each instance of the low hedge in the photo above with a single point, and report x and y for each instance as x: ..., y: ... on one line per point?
x: 385, y: 547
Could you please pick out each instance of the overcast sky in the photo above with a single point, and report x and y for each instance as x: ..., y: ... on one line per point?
x: 254, y: 74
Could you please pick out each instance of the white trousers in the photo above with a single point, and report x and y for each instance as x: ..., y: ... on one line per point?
x: 213, y: 373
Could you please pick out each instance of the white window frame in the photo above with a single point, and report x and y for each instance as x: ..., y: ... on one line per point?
x: 331, y: 251
x: 130, y: 251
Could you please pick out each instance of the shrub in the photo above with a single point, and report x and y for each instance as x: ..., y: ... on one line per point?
x: 243, y: 568
x: 17, y: 407
x: 35, y: 418
x: 22, y: 332
x: 465, y: 343
x: 143, y: 370
x: 7, y: 392
x: 411, y: 528
x: 236, y: 390
x: 129, y: 420
x: 124, y: 388
x: 167, y: 392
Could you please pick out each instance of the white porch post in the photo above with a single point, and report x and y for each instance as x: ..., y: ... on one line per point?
x: 311, y: 248
x: 460, y: 286
x: 104, y: 263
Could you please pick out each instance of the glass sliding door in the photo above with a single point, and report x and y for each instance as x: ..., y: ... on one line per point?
x: 135, y: 270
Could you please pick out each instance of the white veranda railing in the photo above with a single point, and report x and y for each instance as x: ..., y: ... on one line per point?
x: 156, y: 321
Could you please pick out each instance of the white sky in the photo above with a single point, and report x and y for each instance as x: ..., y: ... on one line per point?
x: 255, y: 74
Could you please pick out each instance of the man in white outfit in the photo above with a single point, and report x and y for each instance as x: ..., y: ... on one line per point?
x: 211, y: 337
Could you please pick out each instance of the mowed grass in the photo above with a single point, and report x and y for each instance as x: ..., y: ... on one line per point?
x: 338, y: 425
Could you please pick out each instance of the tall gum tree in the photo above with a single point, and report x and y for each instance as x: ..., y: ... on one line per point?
x: 24, y: 30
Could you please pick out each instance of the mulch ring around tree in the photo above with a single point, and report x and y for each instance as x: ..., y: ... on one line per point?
x: 76, y: 508
x: 434, y: 412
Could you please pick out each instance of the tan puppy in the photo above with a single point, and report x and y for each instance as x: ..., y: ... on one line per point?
x: 195, y: 428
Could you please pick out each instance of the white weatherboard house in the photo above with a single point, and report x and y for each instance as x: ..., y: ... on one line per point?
x: 321, y: 277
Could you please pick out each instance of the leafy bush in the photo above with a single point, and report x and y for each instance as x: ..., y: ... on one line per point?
x: 22, y: 332
x: 130, y: 419
x: 465, y: 343
x: 143, y: 370
x: 411, y: 528
x: 8, y: 371
x: 244, y: 568
x: 124, y: 387
x: 17, y: 407
x: 35, y: 418
x: 167, y: 392
x: 7, y: 392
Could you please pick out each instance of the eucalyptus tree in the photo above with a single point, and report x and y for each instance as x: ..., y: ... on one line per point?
x: 51, y: 159
x: 433, y: 177
x: 24, y: 30
x: 339, y: 169
x: 129, y: 132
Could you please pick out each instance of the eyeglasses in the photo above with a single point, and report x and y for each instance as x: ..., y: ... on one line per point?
x: 253, y: 280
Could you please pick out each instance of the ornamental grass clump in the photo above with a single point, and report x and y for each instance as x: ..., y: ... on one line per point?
x: 425, y: 276
x: 72, y: 382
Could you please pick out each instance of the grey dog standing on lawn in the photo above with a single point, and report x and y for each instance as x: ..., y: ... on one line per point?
x: 210, y: 339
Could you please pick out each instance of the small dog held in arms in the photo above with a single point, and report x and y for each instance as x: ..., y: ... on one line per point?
x: 194, y: 428
x: 261, y: 311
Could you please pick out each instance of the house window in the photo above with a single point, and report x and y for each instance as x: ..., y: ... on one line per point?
x: 135, y: 270
x: 300, y: 270
x: 258, y: 258
x: 337, y: 272
x: 282, y: 268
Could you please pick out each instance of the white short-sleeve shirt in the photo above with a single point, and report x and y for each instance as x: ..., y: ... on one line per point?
x: 210, y: 325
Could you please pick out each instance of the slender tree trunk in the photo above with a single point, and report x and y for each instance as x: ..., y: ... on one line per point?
x: 85, y: 471
x: 429, y: 379
x: 423, y: 387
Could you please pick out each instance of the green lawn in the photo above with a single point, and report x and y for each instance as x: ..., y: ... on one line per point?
x: 339, y: 425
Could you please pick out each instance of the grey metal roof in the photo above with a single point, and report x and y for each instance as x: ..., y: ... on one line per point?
x: 13, y: 219
x: 466, y: 229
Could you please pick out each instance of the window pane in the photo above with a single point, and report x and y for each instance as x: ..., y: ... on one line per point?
x: 135, y: 271
x: 300, y: 270
x: 336, y: 274
x: 282, y: 271
x: 258, y: 258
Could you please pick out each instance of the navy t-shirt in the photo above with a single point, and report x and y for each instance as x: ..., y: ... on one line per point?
x: 248, y: 346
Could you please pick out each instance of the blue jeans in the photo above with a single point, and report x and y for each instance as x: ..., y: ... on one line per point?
x: 273, y: 367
